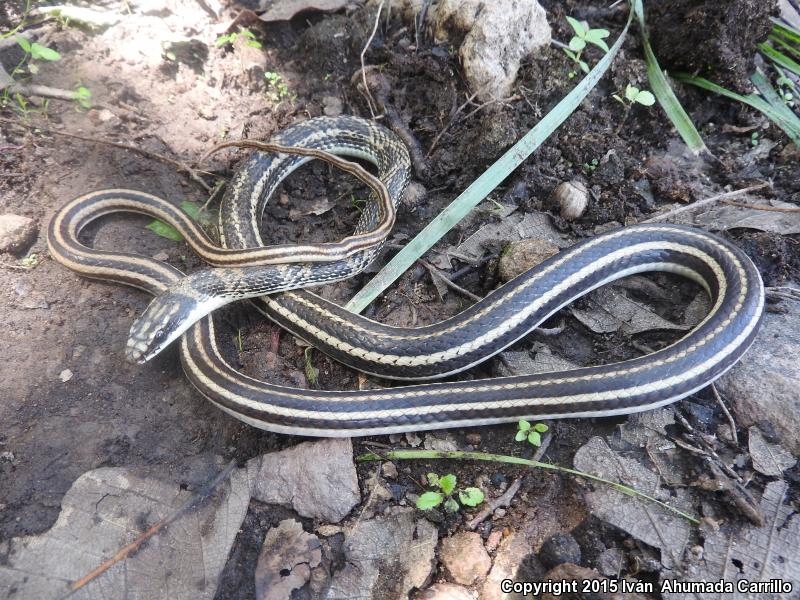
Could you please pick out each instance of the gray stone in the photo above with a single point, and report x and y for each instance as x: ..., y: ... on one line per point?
x: 499, y: 35
x: 465, y: 558
x: 16, y: 233
x: 522, y: 255
x: 317, y: 479
x: 287, y: 558
x: 386, y: 557
x: 332, y: 106
x: 763, y: 385
x: 446, y: 591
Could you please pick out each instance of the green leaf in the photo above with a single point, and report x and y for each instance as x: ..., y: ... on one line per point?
x: 224, y: 39
x: 523, y: 425
x: 253, y: 43
x: 248, y: 34
x: 572, y: 55
x: 470, y: 496
x: 521, y: 435
x: 450, y: 505
x: 576, y: 44
x: 584, y: 67
x: 448, y: 483
x: 595, y: 36
x: 535, y: 438
x: 645, y: 98
x: 488, y: 181
x: 540, y: 427
x: 24, y: 44
x: 780, y: 58
x: 630, y: 92
x: 577, y: 26
x: 164, y: 230
x: 170, y: 55
x: 43, y: 52
x: 82, y: 96
x: 429, y: 500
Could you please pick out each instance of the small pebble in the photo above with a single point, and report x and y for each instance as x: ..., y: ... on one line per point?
x: 332, y: 106
x: 499, y: 513
x: 65, y: 375
x: 559, y: 549
x: 572, y: 198
x: 389, y: 470
x: 521, y: 255
x: 493, y: 541
x: 162, y: 256
x: 473, y: 439
x: 16, y: 233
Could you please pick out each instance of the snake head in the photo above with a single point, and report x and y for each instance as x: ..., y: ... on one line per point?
x: 162, y: 322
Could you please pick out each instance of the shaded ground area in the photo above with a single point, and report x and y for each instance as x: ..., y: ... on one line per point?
x: 70, y: 402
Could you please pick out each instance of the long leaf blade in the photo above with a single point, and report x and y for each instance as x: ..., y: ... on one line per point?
x: 484, y: 184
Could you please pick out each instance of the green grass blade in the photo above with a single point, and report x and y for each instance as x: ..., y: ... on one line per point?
x: 777, y: 117
x: 483, y: 185
x: 774, y: 100
x: 663, y: 91
x: 785, y: 30
x: 785, y: 45
x: 780, y: 58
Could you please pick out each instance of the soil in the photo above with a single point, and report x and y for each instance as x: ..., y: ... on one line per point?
x: 158, y: 80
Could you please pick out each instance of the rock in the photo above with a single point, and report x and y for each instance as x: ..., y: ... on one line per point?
x: 287, y: 557
x: 386, y: 557
x: 494, y: 539
x: 65, y: 375
x: 572, y: 198
x: 465, y: 558
x: 499, y: 35
x: 332, y: 106
x: 446, y: 591
x: 317, y: 479
x: 522, y: 255
x: 389, y: 470
x: 16, y: 233
x: 763, y: 385
x: 414, y: 195
x: 440, y: 441
x: 558, y: 549
x: 507, y: 562
x: 473, y: 439
x: 106, y: 509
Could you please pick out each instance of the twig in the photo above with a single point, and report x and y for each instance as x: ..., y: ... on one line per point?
x: 706, y: 202
x: 725, y: 410
x: 449, y: 124
x: 370, y: 99
x: 451, y: 284
x: 123, y: 553
x: 786, y: 209
x: 182, y: 167
x: 498, y: 502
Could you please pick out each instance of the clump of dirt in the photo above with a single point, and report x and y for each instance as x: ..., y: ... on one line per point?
x: 713, y: 39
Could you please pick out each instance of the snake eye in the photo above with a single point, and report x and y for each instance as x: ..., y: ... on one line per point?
x: 159, y: 335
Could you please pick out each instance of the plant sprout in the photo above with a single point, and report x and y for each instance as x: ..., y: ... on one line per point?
x: 634, y: 95
x: 532, y: 433
x: 470, y: 496
x: 583, y: 36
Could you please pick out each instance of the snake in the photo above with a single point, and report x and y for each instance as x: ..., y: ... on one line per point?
x: 416, y: 354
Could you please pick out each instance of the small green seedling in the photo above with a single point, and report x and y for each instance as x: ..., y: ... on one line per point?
x: 592, y: 165
x: 279, y: 90
x: 634, y: 95
x: 83, y: 96
x: 754, y: 138
x: 33, y: 52
x: 583, y: 36
x: 30, y: 261
x: 470, y: 496
x: 229, y: 38
x: 532, y: 433
x: 357, y: 203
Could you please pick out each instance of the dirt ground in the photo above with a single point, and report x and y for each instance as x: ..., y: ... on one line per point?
x: 70, y: 402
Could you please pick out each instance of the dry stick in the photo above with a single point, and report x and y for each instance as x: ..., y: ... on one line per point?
x: 154, y: 529
x: 182, y: 167
x: 725, y: 410
x: 448, y: 282
x: 449, y: 124
x: 706, y: 202
x: 370, y: 99
x: 498, y: 502
x: 787, y: 209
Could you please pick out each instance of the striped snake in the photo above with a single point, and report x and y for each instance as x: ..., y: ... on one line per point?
x: 182, y: 306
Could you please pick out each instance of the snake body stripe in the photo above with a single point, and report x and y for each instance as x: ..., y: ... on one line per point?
x: 453, y: 345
